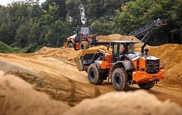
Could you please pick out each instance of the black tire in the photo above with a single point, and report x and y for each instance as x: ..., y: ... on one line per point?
x: 70, y: 45
x: 93, y: 75
x: 147, y: 85
x: 119, y: 79
x: 84, y: 45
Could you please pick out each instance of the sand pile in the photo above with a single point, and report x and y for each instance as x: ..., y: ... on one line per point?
x: 91, y: 50
x: 107, y: 38
x: 122, y: 103
x: 70, y: 53
x: 171, y: 59
x: 17, y: 97
x: 58, y: 52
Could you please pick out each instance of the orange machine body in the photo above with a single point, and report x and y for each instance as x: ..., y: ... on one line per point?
x: 81, y: 39
x: 139, y: 75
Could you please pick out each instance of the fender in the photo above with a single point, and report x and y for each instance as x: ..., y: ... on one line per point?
x: 97, y: 62
x: 71, y: 41
x: 103, y: 72
x: 128, y: 65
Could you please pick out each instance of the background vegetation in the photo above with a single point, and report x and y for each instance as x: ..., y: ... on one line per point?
x: 27, y: 26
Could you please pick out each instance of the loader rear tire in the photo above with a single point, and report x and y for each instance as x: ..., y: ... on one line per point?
x: 147, y: 85
x: 93, y: 75
x: 84, y: 45
x: 119, y: 79
x: 70, y: 45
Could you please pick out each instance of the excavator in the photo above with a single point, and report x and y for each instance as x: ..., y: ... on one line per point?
x: 80, y: 39
x: 123, y: 65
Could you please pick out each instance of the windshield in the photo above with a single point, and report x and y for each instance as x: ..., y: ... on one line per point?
x: 131, y: 48
x: 85, y: 31
x: 127, y: 48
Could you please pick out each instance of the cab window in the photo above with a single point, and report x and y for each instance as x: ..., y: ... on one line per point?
x: 85, y: 31
x: 131, y: 48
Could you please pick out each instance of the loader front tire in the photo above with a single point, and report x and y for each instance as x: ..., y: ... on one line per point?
x: 84, y: 45
x: 93, y: 75
x: 119, y: 79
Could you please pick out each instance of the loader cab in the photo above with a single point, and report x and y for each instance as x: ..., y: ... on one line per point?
x: 85, y: 31
x: 120, y: 48
x: 81, y: 31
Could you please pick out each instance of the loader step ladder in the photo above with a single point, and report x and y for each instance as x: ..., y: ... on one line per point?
x: 147, y: 28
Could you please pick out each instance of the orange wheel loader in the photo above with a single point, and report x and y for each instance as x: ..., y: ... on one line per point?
x: 80, y: 38
x: 123, y: 66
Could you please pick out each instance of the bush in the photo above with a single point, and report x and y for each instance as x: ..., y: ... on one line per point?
x: 4, y: 48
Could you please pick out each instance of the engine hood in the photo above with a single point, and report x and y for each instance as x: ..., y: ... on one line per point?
x: 148, y: 57
x: 73, y: 36
x: 136, y: 55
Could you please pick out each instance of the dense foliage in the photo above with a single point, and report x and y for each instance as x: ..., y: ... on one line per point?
x: 28, y: 25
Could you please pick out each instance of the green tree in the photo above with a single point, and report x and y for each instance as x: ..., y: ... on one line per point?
x: 175, y: 21
x: 61, y: 11
x: 22, y: 36
x: 102, y: 8
x: 5, y: 34
x: 74, y: 12
x: 139, y: 12
x: 57, y: 35
x: 35, y: 33
x: 102, y: 26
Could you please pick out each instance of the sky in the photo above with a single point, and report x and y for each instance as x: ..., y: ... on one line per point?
x: 5, y: 2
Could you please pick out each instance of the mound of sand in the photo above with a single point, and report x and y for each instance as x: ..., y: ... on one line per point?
x: 19, y: 98
x: 54, y: 52
x: 122, y: 103
x: 58, y: 53
x: 171, y: 59
x: 12, y: 67
x: 107, y: 38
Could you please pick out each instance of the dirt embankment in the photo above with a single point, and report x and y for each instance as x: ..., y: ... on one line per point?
x: 171, y: 59
x: 53, y: 75
x: 125, y: 103
x: 17, y: 97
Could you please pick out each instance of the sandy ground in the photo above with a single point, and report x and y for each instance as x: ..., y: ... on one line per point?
x: 58, y: 77
x: 53, y: 71
x: 18, y: 97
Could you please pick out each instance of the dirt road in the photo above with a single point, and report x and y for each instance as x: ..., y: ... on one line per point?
x: 60, y: 78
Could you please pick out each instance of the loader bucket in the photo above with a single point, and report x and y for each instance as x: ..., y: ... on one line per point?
x: 79, y: 64
x: 84, y: 61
